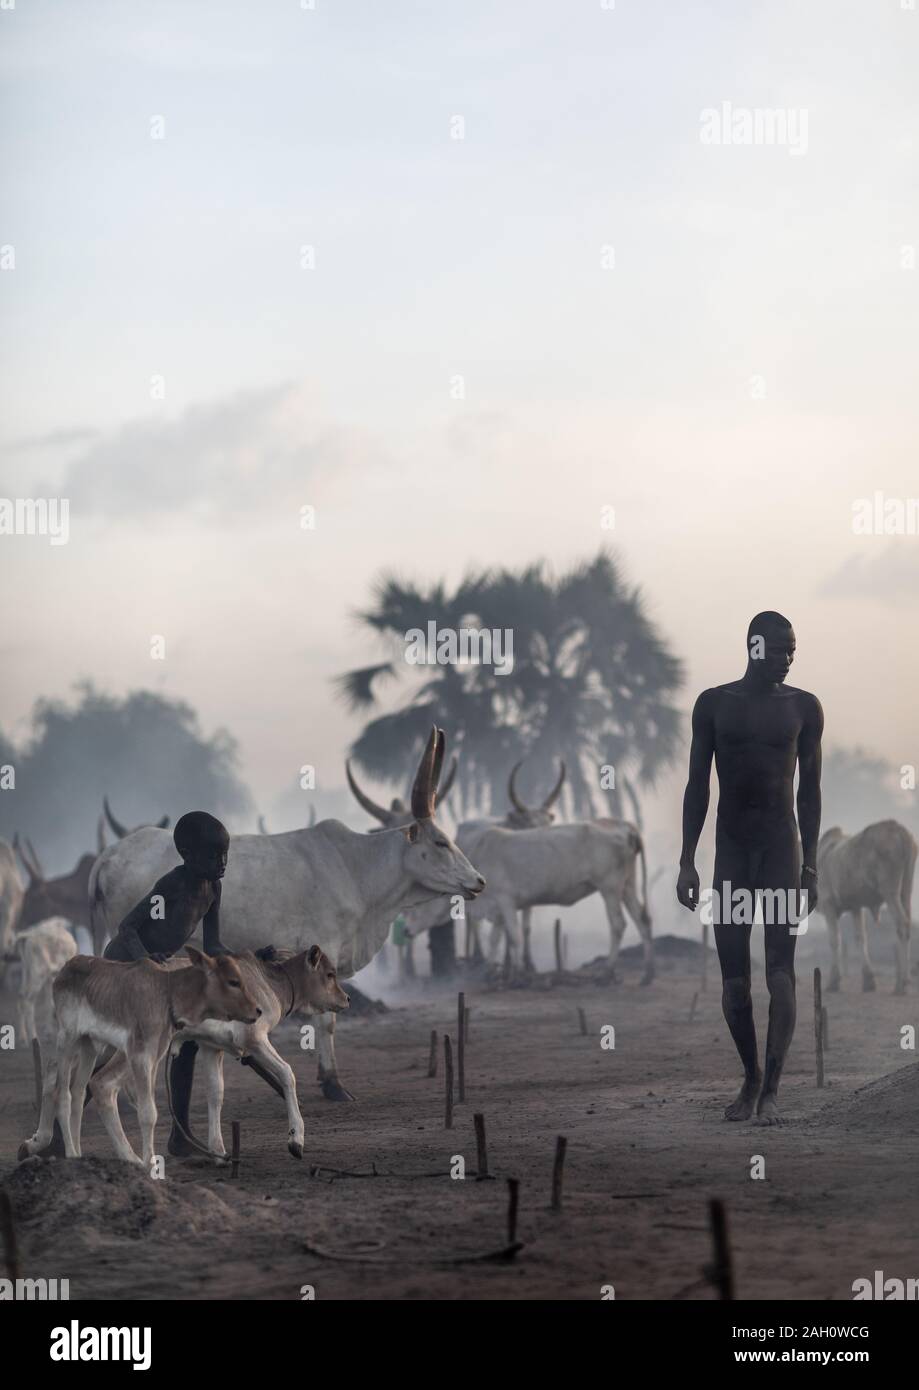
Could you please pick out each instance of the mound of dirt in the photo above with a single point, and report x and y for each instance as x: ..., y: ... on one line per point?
x: 361, y: 1003
x: 887, y: 1108
x: 670, y: 952
x: 105, y: 1197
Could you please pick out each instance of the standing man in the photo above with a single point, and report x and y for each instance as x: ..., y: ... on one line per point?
x: 758, y: 730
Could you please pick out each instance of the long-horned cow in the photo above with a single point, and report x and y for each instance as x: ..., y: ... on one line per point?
x: 559, y: 866
x: 859, y: 873
x: 64, y: 896
x: 327, y: 884
x: 122, y: 831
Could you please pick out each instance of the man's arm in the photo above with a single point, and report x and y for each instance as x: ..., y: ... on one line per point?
x: 213, y: 946
x: 809, y: 760
x: 695, y: 798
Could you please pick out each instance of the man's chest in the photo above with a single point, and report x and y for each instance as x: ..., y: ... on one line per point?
x: 767, y: 721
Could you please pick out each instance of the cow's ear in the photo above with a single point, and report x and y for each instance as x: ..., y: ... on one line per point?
x: 198, y: 957
x: 313, y: 957
x: 412, y: 832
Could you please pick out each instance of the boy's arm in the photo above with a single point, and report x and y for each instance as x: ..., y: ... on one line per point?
x: 213, y: 946
x: 127, y: 933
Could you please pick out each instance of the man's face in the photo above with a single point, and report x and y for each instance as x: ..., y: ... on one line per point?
x: 779, y: 654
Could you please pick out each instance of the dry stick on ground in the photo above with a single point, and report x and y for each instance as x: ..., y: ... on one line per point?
x: 582, y: 1019
x: 818, y: 1023
x: 506, y: 1252
x: 481, y: 1161
x: 461, y: 1047
x: 448, y: 1082
x: 825, y: 1019
x: 513, y: 1193
x: 558, y: 1172
x: 234, y: 1149
x: 721, y: 1273
x: 432, y: 1055
x: 8, y: 1233
x: 36, y: 1059
x: 692, y: 1007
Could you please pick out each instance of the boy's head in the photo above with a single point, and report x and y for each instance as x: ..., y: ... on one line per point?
x: 203, y: 843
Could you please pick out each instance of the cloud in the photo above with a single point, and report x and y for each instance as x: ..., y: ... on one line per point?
x: 254, y: 452
x: 891, y: 575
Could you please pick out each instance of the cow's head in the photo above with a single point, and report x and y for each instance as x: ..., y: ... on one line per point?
x: 524, y: 817
x: 224, y: 995
x: 66, y: 896
x: 315, y: 982
x: 431, y: 858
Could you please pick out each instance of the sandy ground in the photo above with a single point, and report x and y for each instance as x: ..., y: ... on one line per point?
x: 647, y: 1148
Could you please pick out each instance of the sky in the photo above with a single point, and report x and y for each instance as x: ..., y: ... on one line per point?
x: 255, y: 270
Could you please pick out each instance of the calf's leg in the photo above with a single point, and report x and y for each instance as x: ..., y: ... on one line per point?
x: 332, y: 1088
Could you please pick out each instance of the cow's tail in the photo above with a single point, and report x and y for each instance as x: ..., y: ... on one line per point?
x: 97, y: 908
x: 639, y: 846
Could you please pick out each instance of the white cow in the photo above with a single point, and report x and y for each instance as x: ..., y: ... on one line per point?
x: 557, y: 866
x: 43, y: 950
x: 859, y: 873
x: 325, y: 884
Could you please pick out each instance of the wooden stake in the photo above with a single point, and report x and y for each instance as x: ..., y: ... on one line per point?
x: 448, y: 1082
x: 234, y: 1149
x: 461, y: 1046
x: 432, y: 1055
x: 722, y: 1272
x: 481, y: 1161
x: 818, y: 1024
x: 582, y: 1019
x: 513, y: 1190
x: 826, y: 1028
x: 8, y: 1233
x: 466, y: 1023
x: 36, y: 1059
x: 558, y: 1172
x: 558, y: 945
x: 564, y: 950
x: 692, y: 1007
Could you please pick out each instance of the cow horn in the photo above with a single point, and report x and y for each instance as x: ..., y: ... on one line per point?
x: 163, y: 823
x: 369, y: 806
x: 423, y: 785
x: 312, y: 816
x: 100, y: 834
x: 444, y: 791
x: 32, y: 868
x: 116, y: 826
x: 35, y: 860
x: 553, y: 795
x: 262, y: 827
x: 512, y: 789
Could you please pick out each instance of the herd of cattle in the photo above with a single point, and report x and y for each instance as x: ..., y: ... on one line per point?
x: 325, y: 898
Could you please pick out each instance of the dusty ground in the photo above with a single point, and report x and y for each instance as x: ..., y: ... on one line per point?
x: 647, y: 1148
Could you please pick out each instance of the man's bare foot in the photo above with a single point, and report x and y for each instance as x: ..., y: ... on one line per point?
x: 767, y: 1112
x: 742, y: 1108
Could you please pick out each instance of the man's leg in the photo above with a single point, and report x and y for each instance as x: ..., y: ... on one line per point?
x: 181, y: 1077
x: 782, y: 869
x: 733, y: 944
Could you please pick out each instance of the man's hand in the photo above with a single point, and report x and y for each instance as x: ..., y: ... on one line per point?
x: 687, y: 887
x: 809, y: 888
x: 158, y: 957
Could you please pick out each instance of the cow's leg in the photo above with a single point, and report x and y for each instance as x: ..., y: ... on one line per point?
x: 42, y: 1136
x: 106, y: 1085
x: 527, y: 921
x: 902, y: 924
x: 142, y: 1072
x: 642, y: 919
x: 212, y: 1065
x: 331, y: 1086
x: 67, y: 1049
x: 832, y: 927
x: 506, y: 921
x: 274, y: 1063
x: 27, y: 1018
x: 86, y: 1060
x: 868, y: 981
x: 617, y: 924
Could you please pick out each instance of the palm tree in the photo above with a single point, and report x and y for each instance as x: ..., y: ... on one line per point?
x: 592, y: 683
